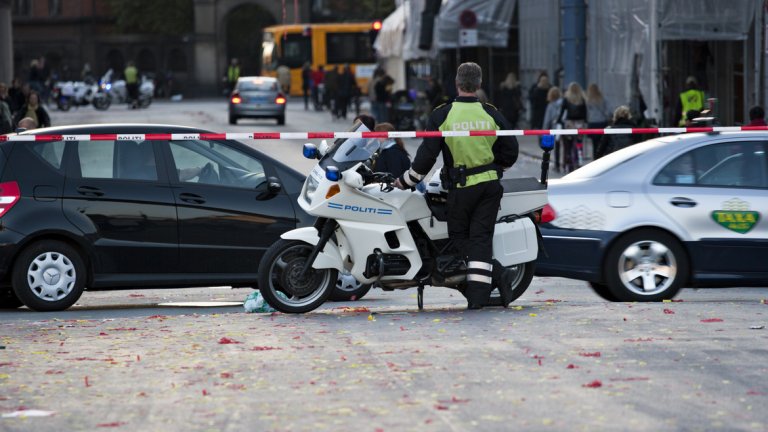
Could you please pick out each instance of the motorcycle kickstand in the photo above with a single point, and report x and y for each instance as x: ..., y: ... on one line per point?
x: 420, y: 297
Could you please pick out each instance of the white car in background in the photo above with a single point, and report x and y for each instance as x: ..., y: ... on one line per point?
x: 677, y: 211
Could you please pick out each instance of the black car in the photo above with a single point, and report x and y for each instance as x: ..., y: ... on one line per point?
x: 128, y: 212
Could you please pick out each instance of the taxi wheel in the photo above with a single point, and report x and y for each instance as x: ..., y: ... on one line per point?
x: 603, y: 291
x: 49, y: 276
x: 646, y: 266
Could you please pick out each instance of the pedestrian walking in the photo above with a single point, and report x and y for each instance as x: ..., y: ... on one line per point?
x: 609, y: 143
x: 331, y: 90
x: 34, y: 110
x: 383, y: 102
x: 598, y: 114
x: 284, y: 78
x: 306, y: 83
x: 574, y: 115
x: 6, y: 117
x: 756, y: 116
x: 552, y: 120
x: 538, y: 99
x: 510, y: 99
x: 472, y: 169
x: 346, y: 89
x: 318, y: 78
x: 16, y: 95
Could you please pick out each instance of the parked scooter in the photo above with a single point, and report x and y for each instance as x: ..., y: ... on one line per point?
x: 393, y: 238
x: 79, y: 93
x: 118, y: 90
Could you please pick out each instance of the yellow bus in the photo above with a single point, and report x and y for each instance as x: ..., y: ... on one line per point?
x: 327, y: 45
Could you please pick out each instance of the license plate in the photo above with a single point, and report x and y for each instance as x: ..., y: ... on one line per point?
x: 258, y: 100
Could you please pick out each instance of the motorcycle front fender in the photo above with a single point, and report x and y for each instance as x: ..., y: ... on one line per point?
x: 329, y: 257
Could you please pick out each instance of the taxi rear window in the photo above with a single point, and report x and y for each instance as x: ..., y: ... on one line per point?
x: 257, y: 85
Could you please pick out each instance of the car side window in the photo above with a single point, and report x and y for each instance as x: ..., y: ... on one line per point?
x: 128, y: 160
x: 733, y: 164
x: 210, y: 162
x: 51, y: 152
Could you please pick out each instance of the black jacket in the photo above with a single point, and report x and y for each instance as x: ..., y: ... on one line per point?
x: 393, y: 160
x: 42, y: 116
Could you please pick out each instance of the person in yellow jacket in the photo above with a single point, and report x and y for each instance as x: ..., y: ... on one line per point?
x: 132, y: 84
x: 692, y: 99
x: 233, y: 73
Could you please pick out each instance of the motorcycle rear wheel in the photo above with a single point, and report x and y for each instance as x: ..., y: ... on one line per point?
x: 520, y: 282
x: 280, y: 271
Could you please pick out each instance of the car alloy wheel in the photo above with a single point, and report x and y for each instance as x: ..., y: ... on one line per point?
x: 646, y: 265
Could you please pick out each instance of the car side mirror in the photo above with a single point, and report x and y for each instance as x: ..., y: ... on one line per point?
x: 269, y: 189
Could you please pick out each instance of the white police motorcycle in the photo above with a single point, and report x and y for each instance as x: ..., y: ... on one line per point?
x: 392, y: 238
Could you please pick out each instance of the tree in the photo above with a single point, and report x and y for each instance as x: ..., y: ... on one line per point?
x: 169, y: 17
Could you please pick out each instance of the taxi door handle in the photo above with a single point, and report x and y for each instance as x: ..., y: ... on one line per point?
x: 682, y: 202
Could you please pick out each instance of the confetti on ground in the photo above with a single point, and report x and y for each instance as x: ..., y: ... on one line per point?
x: 28, y: 413
x: 711, y: 320
x: 669, y: 311
x: 593, y: 384
x: 226, y: 340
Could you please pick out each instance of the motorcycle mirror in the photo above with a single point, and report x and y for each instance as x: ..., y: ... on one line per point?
x: 310, y: 151
x: 547, y: 142
x: 323, y: 148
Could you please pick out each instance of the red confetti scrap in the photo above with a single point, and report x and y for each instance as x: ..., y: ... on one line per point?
x: 135, y: 295
x: 113, y: 424
x: 264, y: 348
x: 53, y: 372
x: 226, y: 341
x: 138, y: 358
x: 711, y: 320
x: 343, y: 358
x: 755, y: 393
x: 226, y: 375
x: 6, y: 364
x: 142, y: 394
x: 124, y: 329
x: 403, y: 328
x: 441, y: 407
x: 676, y: 300
x: 594, y: 354
x: 87, y: 384
x: 296, y: 337
x: 157, y: 317
x: 669, y: 311
x: 540, y: 291
x: 205, y: 392
x: 103, y: 334
x: 593, y: 384
x: 571, y: 366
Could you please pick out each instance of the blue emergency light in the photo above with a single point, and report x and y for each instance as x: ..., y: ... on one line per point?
x: 332, y: 173
x: 547, y: 142
x: 310, y: 151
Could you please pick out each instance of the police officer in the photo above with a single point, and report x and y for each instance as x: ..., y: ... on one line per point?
x: 471, y: 172
x: 692, y: 99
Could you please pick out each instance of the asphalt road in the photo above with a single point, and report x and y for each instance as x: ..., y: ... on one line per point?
x: 559, y: 358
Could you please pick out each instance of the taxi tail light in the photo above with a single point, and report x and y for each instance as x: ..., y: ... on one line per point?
x: 280, y: 99
x: 9, y: 196
x: 236, y: 99
x: 548, y: 214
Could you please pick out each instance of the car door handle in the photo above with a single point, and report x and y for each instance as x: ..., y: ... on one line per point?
x: 90, y: 191
x: 682, y: 202
x: 191, y: 198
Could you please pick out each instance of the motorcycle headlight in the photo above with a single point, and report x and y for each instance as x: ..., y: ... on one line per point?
x: 312, y: 184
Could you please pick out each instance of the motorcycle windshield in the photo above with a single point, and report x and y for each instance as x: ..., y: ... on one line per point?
x: 346, y: 152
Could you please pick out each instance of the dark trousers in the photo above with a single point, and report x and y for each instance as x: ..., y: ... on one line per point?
x: 472, y: 213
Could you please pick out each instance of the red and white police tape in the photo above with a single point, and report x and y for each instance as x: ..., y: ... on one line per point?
x: 394, y: 134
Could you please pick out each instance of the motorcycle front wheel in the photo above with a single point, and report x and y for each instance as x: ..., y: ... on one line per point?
x: 280, y: 271
x: 145, y: 101
x: 101, y: 102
